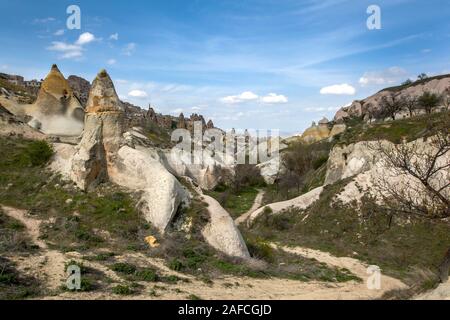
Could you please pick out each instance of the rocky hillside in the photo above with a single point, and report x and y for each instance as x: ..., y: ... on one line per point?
x: 364, y: 108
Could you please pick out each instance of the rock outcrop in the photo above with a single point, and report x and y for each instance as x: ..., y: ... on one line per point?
x: 325, y: 129
x: 347, y: 161
x: 103, y: 154
x: 316, y: 132
x: 221, y: 231
x: 80, y: 87
x: 57, y: 108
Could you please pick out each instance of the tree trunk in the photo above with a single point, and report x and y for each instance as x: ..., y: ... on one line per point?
x: 444, y: 267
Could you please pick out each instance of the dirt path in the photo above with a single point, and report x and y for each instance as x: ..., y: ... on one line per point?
x: 50, y: 264
x: 257, y: 203
x: 355, y: 266
x: 301, y: 202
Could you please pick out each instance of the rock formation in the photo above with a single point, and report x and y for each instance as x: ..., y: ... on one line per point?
x: 181, y: 122
x: 102, y: 136
x: 322, y: 131
x: 316, y: 132
x: 103, y: 154
x: 56, y: 107
x: 80, y: 87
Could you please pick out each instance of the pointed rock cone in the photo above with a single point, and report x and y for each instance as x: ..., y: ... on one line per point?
x: 102, y: 135
x: 56, y: 98
x: 103, y: 96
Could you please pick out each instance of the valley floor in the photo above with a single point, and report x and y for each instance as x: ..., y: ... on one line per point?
x: 48, y: 265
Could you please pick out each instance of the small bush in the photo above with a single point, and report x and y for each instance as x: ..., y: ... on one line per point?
x: 122, y: 290
x: 176, y: 265
x: 147, y: 274
x: 125, y: 268
x: 38, y: 153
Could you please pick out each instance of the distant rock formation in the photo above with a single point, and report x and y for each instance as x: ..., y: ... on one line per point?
x: 181, y: 122
x: 80, y: 87
x: 316, y: 132
x: 324, y: 130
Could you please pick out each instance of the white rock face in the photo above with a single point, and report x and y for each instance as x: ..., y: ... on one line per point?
x: 203, y: 169
x: 347, y: 161
x: 301, y: 202
x: 270, y: 170
x: 162, y: 193
x: 222, y: 233
x: 103, y: 154
x: 391, y: 178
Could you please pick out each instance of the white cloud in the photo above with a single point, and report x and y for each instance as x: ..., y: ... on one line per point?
x: 340, y: 89
x: 273, y: 98
x: 243, y: 97
x: 67, y: 50
x: 59, y: 32
x: 196, y: 109
x: 85, y: 38
x: 114, y: 36
x: 129, y: 49
x: 389, y: 76
x: 44, y: 20
x: 4, y: 67
x: 111, y: 61
x: 138, y: 94
x: 70, y: 51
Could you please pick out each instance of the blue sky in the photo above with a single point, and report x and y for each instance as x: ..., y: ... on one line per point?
x: 245, y: 64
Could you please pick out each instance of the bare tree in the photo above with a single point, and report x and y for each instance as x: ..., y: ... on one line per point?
x: 417, y: 179
x: 410, y: 103
x: 391, y: 105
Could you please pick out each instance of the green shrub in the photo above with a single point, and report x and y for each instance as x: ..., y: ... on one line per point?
x: 125, y: 268
x: 147, y: 274
x: 38, y: 153
x: 122, y: 290
x: 176, y: 265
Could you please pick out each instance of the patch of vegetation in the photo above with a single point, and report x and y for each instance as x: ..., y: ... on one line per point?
x: 104, y: 256
x: 235, y: 203
x: 394, y: 131
x: 122, y: 290
x: 399, y: 246
x: 305, y: 170
x: 79, y: 221
x: 13, y: 237
x: 133, y: 273
x: 14, y: 285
